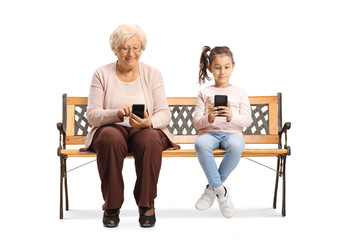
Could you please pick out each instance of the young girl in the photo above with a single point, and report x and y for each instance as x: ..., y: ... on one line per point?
x: 215, y: 131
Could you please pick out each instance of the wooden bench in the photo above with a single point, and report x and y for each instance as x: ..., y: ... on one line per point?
x: 266, y: 128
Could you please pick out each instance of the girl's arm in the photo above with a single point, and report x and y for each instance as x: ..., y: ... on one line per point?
x: 201, y: 114
x: 243, y: 117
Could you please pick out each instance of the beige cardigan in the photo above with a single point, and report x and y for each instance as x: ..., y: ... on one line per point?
x: 100, y: 99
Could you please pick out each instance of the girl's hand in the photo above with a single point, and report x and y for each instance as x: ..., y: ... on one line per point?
x: 224, y: 111
x: 137, y: 122
x: 212, y: 113
x: 124, y: 111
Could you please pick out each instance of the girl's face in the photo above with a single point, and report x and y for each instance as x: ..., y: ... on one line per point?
x: 221, y: 68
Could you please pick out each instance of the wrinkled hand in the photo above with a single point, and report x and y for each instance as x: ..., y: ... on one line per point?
x: 138, y: 122
x: 124, y: 111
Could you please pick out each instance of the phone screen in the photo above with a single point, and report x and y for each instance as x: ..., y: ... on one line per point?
x: 138, y: 110
x: 220, y: 100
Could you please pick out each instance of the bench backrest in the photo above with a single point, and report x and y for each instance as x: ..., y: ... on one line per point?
x: 266, y: 114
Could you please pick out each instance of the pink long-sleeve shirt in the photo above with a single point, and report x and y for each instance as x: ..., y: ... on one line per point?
x: 101, y: 110
x: 240, y: 106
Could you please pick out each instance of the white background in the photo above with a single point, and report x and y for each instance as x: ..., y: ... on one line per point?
x: 308, y: 50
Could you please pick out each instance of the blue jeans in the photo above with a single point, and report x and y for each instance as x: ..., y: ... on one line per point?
x: 232, y: 143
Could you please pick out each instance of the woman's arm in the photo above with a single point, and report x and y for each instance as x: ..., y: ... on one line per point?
x: 161, y: 114
x: 96, y: 114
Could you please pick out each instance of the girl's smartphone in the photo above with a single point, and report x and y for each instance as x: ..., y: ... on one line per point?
x: 220, y: 100
x: 138, y: 110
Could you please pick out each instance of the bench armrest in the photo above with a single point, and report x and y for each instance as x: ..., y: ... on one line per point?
x: 62, y: 135
x: 282, y: 132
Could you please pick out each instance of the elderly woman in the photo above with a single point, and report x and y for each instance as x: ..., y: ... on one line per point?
x: 117, y: 131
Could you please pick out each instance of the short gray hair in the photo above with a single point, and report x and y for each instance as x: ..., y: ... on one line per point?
x: 123, y: 33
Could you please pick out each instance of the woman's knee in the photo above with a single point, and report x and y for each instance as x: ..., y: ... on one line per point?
x: 147, y: 138
x: 110, y: 136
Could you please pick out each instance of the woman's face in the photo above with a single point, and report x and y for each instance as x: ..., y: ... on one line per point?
x: 129, y: 52
x: 221, y: 68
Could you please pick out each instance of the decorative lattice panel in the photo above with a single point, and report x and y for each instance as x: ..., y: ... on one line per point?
x: 181, y: 120
x: 260, y: 124
x: 82, y: 126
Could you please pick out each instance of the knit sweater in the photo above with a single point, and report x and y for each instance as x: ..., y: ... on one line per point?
x: 240, y: 106
x: 101, y: 99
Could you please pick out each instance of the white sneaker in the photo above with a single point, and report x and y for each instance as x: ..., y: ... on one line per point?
x: 227, y: 208
x: 206, y: 200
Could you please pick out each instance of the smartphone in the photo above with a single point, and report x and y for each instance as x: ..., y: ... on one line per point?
x: 138, y: 110
x: 220, y: 100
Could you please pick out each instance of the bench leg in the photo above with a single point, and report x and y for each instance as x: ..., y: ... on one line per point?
x: 284, y: 188
x: 66, y: 187
x: 276, y: 182
x: 61, y: 185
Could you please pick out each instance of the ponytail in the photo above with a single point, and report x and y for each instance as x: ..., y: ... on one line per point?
x: 204, y: 62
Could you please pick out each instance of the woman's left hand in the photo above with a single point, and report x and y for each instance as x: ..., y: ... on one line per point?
x: 138, y: 122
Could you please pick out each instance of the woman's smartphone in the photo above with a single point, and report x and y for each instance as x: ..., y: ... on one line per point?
x: 138, y: 110
x: 220, y: 100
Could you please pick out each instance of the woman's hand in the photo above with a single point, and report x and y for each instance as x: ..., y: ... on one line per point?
x: 124, y: 111
x: 138, y: 122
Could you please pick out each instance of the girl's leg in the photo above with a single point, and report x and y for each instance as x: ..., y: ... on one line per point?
x: 204, y: 146
x: 234, y: 145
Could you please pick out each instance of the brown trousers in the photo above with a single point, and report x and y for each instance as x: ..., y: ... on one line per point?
x: 112, y: 143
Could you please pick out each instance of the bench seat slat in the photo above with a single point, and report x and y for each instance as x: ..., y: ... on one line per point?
x: 191, y: 153
x: 190, y: 139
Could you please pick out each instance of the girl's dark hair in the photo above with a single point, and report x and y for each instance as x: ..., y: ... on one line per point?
x: 206, y: 60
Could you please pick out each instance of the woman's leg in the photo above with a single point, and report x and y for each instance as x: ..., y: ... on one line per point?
x: 147, y: 146
x: 234, y: 145
x: 110, y: 144
x: 204, y: 146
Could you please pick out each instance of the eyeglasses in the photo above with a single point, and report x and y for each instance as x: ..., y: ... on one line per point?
x: 135, y: 49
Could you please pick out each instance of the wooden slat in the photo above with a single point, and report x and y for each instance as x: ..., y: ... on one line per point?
x: 70, y: 126
x: 261, y: 139
x: 74, y: 140
x: 262, y: 99
x: 190, y: 139
x: 249, y: 139
x: 185, y: 139
x: 76, y: 100
x: 191, y: 153
x: 192, y: 100
x: 273, y: 118
x: 181, y: 100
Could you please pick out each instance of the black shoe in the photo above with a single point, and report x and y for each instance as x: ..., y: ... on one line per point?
x: 111, y: 221
x: 147, y: 221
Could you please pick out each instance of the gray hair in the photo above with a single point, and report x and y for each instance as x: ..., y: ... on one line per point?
x: 123, y: 33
